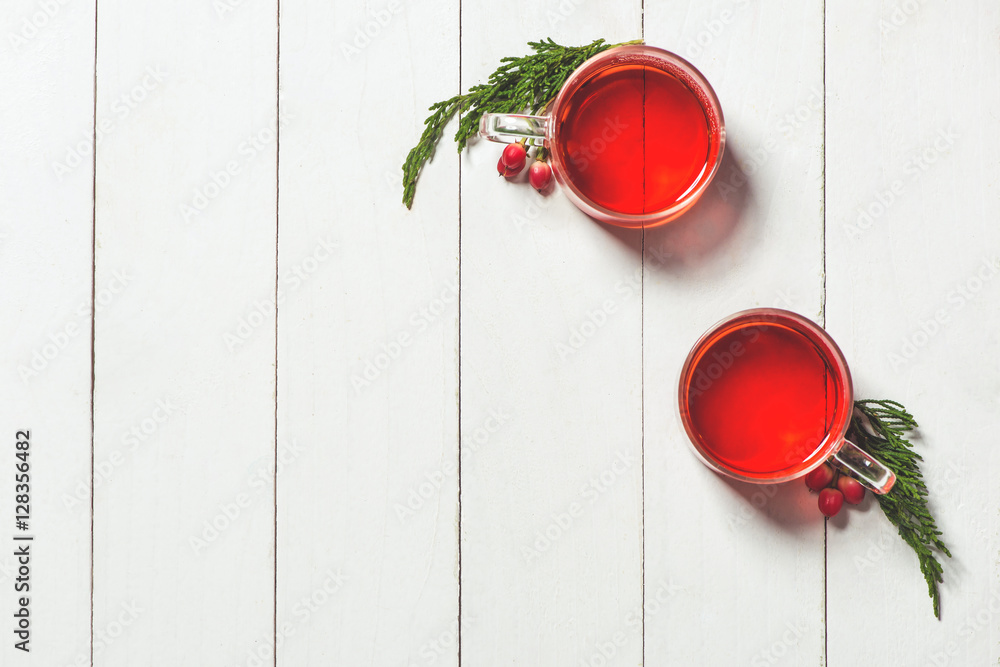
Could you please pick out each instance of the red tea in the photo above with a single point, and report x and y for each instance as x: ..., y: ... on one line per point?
x: 635, y: 139
x: 761, y: 398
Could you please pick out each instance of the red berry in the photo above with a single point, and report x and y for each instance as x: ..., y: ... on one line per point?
x: 819, y: 478
x: 513, y: 157
x: 852, y: 489
x: 830, y: 501
x: 505, y: 171
x: 539, y: 175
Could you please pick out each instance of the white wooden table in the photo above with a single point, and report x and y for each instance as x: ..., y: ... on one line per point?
x: 452, y: 486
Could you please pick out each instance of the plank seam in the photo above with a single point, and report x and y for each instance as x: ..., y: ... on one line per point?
x: 642, y: 381
x: 822, y: 307
x: 93, y: 329
x: 458, y: 643
x: 277, y: 237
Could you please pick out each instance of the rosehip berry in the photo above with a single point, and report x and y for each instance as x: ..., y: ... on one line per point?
x: 852, y: 489
x: 539, y: 175
x: 513, y: 157
x: 505, y: 171
x: 830, y: 501
x: 819, y: 478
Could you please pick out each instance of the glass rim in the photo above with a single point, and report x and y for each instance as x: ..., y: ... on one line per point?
x: 834, y: 439
x: 583, y: 73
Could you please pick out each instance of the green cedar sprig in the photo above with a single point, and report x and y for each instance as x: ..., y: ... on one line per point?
x: 906, y: 504
x: 522, y: 84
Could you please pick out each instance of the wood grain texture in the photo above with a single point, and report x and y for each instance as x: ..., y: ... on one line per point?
x: 185, y: 354
x: 913, y: 250
x: 734, y: 572
x: 47, y: 68
x: 551, y: 498
x: 328, y: 430
x: 368, y: 339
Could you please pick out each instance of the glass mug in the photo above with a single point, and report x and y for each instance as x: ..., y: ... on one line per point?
x: 635, y: 135
x: 766, y: 396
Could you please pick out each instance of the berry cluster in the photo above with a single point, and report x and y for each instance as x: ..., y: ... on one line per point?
x: 834, y: 488
x: 512, y: 162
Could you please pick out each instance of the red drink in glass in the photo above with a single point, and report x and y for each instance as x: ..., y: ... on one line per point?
x: 635, y: 135
x: 636, y: 138
x: 766, y: 396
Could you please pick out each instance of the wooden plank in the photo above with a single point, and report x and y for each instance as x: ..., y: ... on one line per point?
x: 742, y: 565
x: 45, y: 263
x: 551, y: 393
x: 912, y: 248
x: 368, y: 339
x: 185, y: 358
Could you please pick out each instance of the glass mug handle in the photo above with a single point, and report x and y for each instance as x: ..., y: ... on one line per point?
x: 510, y: 128
x: 869, y: 471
